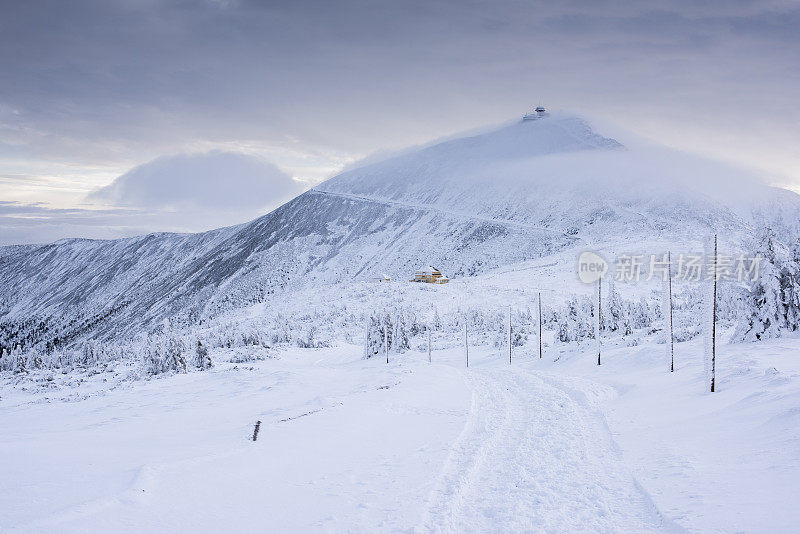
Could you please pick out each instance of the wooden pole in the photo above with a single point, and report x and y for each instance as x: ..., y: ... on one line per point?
x: 714, y: 322
x: 466, y: 341
x: 395, y: 333
x: 429, y: 345
x: 671, y: 336
x: 540, y: 325
x: 597, y: 330
x: 509, y: 335
x: 366, y: 343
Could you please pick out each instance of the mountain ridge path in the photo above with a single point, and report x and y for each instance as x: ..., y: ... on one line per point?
x: 441, y: 210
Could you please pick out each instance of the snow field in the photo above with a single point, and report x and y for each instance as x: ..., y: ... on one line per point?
x: 346, y: 444
x: 721, y: 462
x: 174, y: 455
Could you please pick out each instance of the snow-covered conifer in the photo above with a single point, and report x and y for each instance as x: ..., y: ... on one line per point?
x: 33, y: 359
x: 373, y: 345
x: 790, y: 284
x: 612, y: 307
x: 202, y: 359
x: 164, y: 353
x: 765, y: 310
x: 174, y: 353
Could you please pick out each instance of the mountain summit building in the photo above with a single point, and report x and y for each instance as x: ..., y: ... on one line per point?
x: 537, y: 113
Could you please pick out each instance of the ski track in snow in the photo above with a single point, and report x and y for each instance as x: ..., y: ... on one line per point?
x: 531, y: 458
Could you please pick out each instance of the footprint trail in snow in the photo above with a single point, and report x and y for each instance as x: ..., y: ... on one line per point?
x: 533, y: 459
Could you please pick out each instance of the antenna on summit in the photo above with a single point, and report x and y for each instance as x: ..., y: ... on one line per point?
x: 537, y: 113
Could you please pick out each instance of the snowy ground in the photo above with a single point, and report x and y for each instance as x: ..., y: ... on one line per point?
x: 722, y: 462
x: 353, y: 445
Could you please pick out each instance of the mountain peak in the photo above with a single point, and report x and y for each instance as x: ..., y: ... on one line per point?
x: 477, y: 157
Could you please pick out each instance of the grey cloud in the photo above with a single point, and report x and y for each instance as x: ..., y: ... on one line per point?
x: 120, y: 81
x: 351, y: 74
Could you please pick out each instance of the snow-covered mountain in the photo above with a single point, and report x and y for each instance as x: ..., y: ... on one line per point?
x: 465, y: 205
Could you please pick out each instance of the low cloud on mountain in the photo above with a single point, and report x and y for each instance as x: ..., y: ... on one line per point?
x: 181, y: 193
x: 214, y: 181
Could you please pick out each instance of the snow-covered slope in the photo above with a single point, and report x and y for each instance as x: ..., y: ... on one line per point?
x: 466, y: 205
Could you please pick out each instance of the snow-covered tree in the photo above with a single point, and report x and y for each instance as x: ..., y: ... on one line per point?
x: 642, y: 313
x: 33, y: 359
x: 519, y: 329
x: 5, y: 360
x: 563, y: 333
x: 395, y: 325
x: 164, y: 353
x: 790, y: 285
x: 613, y: 316
x: 309, y: 340
x: 17, y: 360
x: 91, y: 354
x: 575, y: 324
x: 377, y: 328
x: 400, y: 342
x: 174, y: 353
x: 202, y: 360
x: 13, y: 361
x: 766, y: 310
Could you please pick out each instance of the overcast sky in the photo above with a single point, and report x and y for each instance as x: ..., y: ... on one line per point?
x: 90, y: 91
